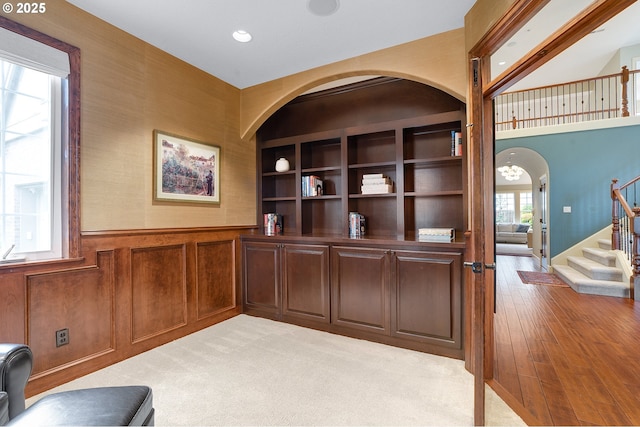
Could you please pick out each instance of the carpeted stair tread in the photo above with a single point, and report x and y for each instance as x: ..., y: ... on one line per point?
x: 602, y: 256
x: 594, y: 270
x: 604, y: 244
x: 585, y: 285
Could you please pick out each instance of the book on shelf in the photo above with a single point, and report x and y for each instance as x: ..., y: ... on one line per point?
x: 436, y: 234
x: 376, y: 183
x: 456, y: 143
x: 376, y: 189
x: 312, y: 186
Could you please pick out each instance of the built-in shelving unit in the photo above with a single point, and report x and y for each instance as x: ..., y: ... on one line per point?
x: 415, y: 155
x: 387, y: 285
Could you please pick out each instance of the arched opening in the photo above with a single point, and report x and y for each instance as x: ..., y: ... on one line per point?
x: 525, y: 196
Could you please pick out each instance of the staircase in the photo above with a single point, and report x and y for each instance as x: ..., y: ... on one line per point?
x: 595, y: 272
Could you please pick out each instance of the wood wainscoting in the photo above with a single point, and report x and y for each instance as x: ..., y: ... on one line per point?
x: 131, y: 291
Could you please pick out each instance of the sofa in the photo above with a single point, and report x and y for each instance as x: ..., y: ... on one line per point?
x: 101, y: 406
x: 512, y: 233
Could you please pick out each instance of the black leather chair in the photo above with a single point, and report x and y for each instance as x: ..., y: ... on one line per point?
x: 102, y: 406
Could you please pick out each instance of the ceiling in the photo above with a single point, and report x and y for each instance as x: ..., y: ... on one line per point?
x: 289, y: 36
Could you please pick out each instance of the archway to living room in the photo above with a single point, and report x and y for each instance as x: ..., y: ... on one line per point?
x: 521, y: 175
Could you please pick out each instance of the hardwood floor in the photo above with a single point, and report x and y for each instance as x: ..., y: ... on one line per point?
x: 567, y: 358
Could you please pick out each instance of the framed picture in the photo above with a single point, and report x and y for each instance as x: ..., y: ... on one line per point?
x: 185, y: 170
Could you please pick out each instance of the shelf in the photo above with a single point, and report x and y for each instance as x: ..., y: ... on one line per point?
x: 289, y: 172
x: 369, y: 196
x: 374, y: 148
x: 433, y: 194
x: 428, y: 183
x: 318, y: 155
x: 386, y: 165
x: 278, y: 199
x: 325, y: 197
x: 321, y: 169
x: 434, y: 161
x: 272, y: 154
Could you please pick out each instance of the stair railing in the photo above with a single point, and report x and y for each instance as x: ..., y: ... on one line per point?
x: 597, y: 98
x: 625, y: 235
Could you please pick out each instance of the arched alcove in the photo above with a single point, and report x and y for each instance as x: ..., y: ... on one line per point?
x: 538, y: 170
x: 374, y: 100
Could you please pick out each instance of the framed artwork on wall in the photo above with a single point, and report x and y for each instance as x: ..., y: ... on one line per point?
x: 185, y: 170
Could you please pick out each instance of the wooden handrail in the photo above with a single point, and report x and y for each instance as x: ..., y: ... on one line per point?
x: 630, y: 245
x: 580, y: 100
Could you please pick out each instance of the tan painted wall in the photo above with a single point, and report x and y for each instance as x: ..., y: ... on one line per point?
x: 130, y: 88
x: 439, y: 61
x: 482, y: 16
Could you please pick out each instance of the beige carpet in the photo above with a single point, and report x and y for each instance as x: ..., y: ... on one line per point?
x: 253, y: 371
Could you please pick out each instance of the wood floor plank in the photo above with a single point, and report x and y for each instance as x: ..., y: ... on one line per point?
x: 559, y: 406
x: 579, y: 395
x: 570, y: 358
x: 534, y: 400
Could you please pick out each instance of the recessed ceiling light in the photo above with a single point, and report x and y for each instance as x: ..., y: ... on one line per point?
x: 242, y: 36
x: 323, y: 7
x: 502, y: 62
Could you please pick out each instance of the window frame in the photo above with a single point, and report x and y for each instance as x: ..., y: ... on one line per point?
x: 70, y: 162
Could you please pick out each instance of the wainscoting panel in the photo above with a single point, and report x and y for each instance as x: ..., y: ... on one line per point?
x: 159, y: 290
x: 127, y: 292
x: 215, y: 277
x: 80, y: 300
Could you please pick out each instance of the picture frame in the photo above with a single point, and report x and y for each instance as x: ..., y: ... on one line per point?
x: 185, y: 170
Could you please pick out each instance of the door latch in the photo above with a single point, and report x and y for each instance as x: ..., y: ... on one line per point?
x: 476, y: 267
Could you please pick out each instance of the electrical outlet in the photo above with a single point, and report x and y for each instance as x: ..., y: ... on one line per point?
x: 62, y: 337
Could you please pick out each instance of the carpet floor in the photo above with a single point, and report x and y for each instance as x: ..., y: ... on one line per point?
x: 253, y: 371
x: 541, y: 278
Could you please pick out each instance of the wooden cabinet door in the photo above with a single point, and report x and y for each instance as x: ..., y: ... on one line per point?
x: 305, y: 282
x: 261, y: 277
x: 360, y: 288
x: 426, y: 297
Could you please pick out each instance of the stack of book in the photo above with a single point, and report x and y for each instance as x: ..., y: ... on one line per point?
x: 376, y: 183
x: 312, y: 186
x: 436, y: 234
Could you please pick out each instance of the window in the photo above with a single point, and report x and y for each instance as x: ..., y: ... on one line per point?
x: 30, y: 217
x: 39, y: 121
x: 507, y: 211
x: 526, y: 208
x: 505, y: 208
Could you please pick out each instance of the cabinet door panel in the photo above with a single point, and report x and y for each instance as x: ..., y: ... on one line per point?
x: 427, y: 297
x: 360, y: 288
x: 306, y: 281
x: 261, y: 276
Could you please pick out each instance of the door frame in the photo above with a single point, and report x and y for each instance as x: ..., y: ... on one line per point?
x: 481, y: 146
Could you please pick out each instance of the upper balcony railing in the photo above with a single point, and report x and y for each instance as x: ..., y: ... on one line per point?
x: 580, y: 101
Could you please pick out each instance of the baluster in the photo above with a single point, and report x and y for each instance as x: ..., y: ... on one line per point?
x: 625, y: 100
x: 615, y: 219
x: 635, y: 262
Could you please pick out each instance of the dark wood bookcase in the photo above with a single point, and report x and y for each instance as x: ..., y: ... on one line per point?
x: 414, y: 154
x: 386, y: 285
